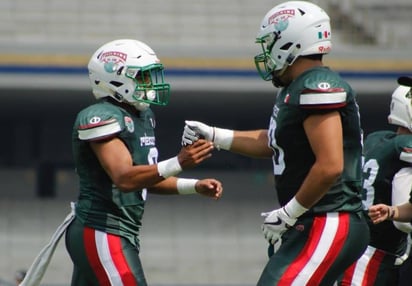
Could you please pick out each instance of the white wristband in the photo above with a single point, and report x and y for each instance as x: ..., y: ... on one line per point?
x: 168, y: 168
x: 222, y: 138
x: 186, y: 186
x: 294, y: 209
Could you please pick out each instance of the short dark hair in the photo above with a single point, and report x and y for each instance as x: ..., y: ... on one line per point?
x: 404, y: 80
x: 317, y: 57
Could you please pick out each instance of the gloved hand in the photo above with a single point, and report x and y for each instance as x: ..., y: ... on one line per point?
x: 194, y: 130
x: 275, y: 224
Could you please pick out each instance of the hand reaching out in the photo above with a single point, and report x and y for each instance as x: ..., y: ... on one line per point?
x: 192, y: 155
x: 379, y: 213
x: 195, y: 130
x: 209, y: 188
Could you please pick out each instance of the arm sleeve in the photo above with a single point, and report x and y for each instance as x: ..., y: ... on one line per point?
x: 401, y: 192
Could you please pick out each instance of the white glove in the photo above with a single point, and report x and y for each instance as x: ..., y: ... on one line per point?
x: 194, y: 130
x: 275, y: 224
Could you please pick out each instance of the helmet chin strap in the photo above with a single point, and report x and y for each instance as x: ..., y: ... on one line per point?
x: 141, y: 106
x: 276, y: 81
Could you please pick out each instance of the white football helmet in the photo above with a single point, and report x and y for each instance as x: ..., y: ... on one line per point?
x: 290, y: 30
x: 130, y: 72
x: 401, y: 107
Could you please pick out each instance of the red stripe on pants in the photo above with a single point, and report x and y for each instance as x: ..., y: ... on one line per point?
x: 334, y: 250
x: 371, y: 270
x: 297, y: 265
x: 93, y: 256
x: 115, y: 247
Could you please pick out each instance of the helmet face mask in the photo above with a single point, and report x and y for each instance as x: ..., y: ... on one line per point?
x: 290, y: 30
x: 150, y: 85
x: 130, y: 72
x: 264, y: 62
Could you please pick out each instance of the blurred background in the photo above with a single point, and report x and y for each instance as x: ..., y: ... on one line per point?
x: 207, y: 47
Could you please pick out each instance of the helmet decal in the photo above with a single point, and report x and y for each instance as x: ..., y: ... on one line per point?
x: 112, y: 60
x: 323, y: 35
x: 281, y: 19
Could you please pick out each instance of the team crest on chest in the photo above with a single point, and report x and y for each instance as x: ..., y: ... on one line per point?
x: 129, y: 124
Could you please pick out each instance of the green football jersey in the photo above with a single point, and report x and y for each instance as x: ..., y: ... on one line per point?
x: 385, y: 153
x: 318, y: 90
x: 101, y: 205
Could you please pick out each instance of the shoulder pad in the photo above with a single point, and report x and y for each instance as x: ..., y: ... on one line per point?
x: 98, y: 122
x: 322, y: 88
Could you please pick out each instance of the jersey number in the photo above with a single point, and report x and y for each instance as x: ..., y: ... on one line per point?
x: 151, y: 159
x: 370, y: 171
x: 278, y: 157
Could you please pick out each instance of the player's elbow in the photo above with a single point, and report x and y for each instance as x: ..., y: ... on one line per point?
x: 336, y: 171
x: 125, y: 187
x: 125, y: 184
x: 331, y: 171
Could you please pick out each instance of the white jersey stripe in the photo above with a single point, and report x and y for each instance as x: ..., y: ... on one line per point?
x: 322, y: 98
x: 322, y: 248
x: 105, y: 258
x: 406, y: 156
x: 100, y: 131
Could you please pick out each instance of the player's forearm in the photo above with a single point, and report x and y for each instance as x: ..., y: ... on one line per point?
x: 165, y: 187
x: 137, y: 177
x: 251, y: 143
x: 316, y: 184
x: 403, y: 212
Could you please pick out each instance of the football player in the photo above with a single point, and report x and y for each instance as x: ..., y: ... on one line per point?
x: 387, y: 180
x: 116, y: 160
x: 314, y: 139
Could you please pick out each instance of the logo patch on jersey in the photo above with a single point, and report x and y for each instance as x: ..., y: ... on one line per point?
x: 324, y: 85
x: 129, y: 124
x: 112, y: 60
x: 147, y: 141
x: 95, y: 120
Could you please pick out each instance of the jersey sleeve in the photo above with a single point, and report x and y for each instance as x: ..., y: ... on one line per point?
x: 404, y: 145
x: 401, y: 191
x: 99, y: 122
x: 321, y: 89
x: 328, y: 98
